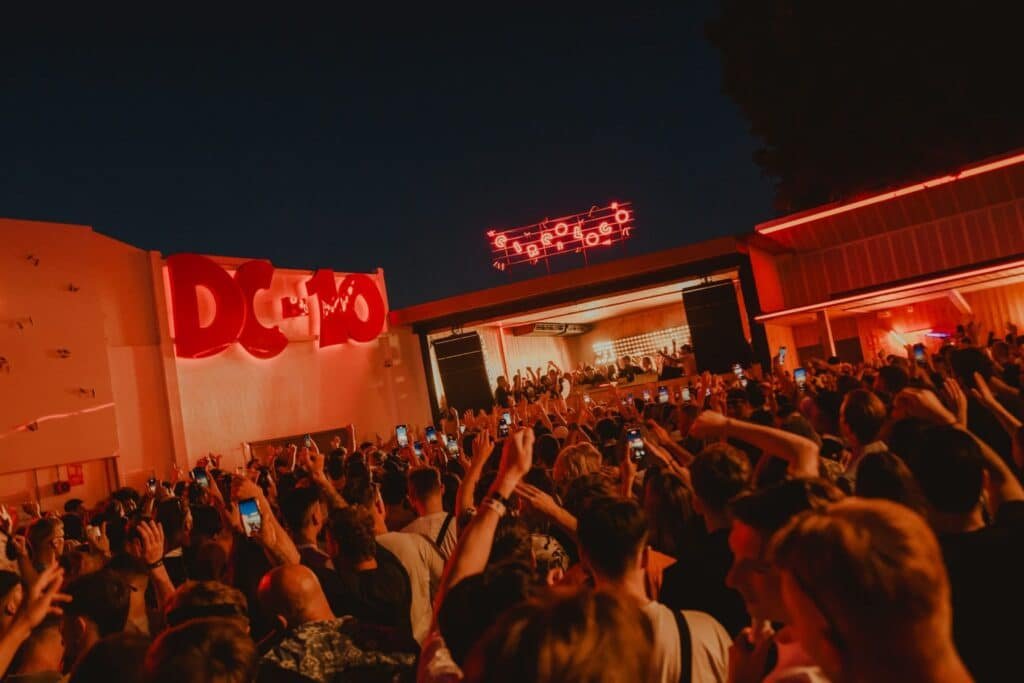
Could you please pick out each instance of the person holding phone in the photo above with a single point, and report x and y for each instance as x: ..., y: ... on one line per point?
x: 426, y: 494
x: 402, y: 436
x: 613, y: 541
x: 635, y: 445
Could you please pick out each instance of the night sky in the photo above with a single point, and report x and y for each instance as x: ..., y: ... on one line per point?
x: 352, y: 142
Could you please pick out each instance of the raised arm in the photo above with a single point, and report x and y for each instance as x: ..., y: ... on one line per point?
x: 541, y: 408
x: 151, y: 537
x: 483, y: 446
x: 546, y: 505
x: 988, y: 400
x: 658, y: 435
x: 327, y: 490
x: 925, y: 405
x: 474, y: 545
x: 800, y: 453
x: 277, y: 544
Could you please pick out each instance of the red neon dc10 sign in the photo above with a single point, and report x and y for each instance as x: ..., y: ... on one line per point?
x: 599, y: 227
x: 234, y: 318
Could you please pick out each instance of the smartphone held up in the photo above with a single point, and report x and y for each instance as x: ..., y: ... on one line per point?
x: 635, y: 443
x: 252, y: 520
x: 199, y: 476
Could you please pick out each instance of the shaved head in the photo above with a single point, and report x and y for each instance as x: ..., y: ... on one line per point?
x: 293, y: 593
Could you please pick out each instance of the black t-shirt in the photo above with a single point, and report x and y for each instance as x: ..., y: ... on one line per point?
x: 313, y: 558
x: 693, y: 445
x: 501, y: 397
x: 985, y: 569
x: 380, y: 596
x: 983, y: 423
x: 670, y: 372
x: 697, y: 582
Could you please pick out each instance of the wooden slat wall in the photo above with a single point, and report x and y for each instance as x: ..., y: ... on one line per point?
x: 997, y: 306
x: 809, y: 334
x: 782, y: 335
x: 937, y: 203
x: 986, y: 233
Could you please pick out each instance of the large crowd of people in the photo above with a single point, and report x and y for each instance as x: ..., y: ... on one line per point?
x: 530, y: 384
x: 861, y: 524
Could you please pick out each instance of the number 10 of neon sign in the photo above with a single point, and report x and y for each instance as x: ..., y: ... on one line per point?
x: 599, y: 227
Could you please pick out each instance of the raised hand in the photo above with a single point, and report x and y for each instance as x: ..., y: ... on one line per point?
x: 539, y: 500
x: 316, y: 464
x: 657, y: 433
x: 483, y: 446
x: 151, y: 536
x: 43, y: 598
x: 517, y: 456
x: 959, y: 399
x: 982, y: 392
x: 627, y: 471
x: 100, y: 542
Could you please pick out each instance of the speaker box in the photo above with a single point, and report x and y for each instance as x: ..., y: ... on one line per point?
x: 460, y: 360
x: 716, y: 330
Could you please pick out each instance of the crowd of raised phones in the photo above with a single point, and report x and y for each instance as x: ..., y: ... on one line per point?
x: 863, y: 525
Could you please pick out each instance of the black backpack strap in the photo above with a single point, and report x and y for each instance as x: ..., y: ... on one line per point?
x: 685, y: 648
x: 444, y: 530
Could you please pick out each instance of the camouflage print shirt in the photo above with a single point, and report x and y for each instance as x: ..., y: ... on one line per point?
x: 338, y: 650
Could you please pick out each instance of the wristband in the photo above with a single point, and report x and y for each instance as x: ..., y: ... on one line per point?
x: 494, y: 504
x: 156, y: 565
x: 494, y: 495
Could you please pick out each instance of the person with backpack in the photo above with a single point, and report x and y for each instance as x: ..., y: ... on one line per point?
x: 688, y: 645
x: 426, y: 494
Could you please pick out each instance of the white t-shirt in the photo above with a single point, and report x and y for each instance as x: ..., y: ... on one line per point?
x: 429, y: 527
x: 709, y: 644
x: 794, y: 664
x: 424, y: 566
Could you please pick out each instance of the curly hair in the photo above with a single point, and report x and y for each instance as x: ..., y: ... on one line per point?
x: 351, y: 529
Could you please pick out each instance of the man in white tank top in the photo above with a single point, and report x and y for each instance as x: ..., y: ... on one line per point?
x: 689, y: 646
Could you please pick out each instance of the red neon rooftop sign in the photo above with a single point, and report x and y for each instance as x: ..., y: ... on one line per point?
x: 600, y: 227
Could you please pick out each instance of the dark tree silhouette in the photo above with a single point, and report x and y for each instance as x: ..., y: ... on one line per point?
x: 851, y: 97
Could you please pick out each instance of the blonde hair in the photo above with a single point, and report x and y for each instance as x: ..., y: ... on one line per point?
x: 579, y: 635
x: 574, y: 462
x: 871, y: 566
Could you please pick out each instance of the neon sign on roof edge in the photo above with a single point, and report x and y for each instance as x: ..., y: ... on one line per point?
x: 599, y: 227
